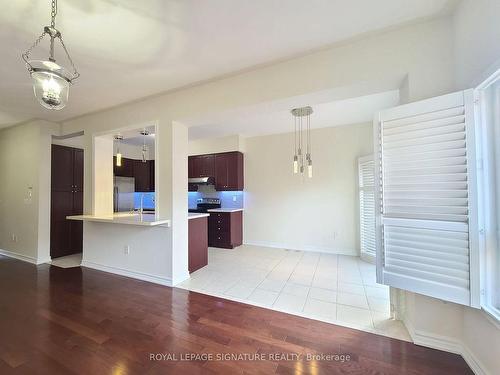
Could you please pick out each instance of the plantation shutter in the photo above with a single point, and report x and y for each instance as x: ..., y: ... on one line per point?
x: 426, y: 219
x: 366, y: 172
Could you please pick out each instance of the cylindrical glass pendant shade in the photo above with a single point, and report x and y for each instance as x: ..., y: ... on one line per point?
x: 295, y: 164
x: 310, y: 168
x: 118, y: 159
x: 50, y: 89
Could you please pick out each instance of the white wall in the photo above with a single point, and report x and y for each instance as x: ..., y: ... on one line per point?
x: 214, y: 145
x: 320, y: 214
x: 476, y: 40
x: 134, y: 151
x: 24, y: 167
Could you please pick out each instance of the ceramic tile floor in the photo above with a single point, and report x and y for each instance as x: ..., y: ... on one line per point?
x: 69, y: 261
x: 337, y: 289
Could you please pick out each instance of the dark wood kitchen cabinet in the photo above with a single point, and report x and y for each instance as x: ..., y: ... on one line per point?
x: 229, y: 171
x: 197, y: 243
x: 225, y: 229
x: 126, y: 169
x: 66, y: 236
x: 201, y: 166
x: 144, y: 179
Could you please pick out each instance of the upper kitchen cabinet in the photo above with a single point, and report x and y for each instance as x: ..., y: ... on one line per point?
x: 229, y: 171
x: 201, y: 166
x: 144, y: 180
x: 126, y: 169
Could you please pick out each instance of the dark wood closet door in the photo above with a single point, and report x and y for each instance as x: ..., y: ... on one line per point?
x: 66, y: 236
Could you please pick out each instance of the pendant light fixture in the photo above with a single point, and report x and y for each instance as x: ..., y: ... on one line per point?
x: 50, y: 80
x: 144, y: 133
x: 118, y: 138
x: 302, y: 122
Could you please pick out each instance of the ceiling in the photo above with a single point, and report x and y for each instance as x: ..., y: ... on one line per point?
x: 267, y: 120
x: 128, y: 49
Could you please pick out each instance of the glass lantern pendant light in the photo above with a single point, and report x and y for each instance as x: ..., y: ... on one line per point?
x: 302, y: 120
x: 50, y: 80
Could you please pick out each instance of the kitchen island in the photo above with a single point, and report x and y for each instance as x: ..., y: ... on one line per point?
x: 198, y: 240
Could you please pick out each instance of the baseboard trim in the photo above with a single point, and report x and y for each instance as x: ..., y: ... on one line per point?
x: 449, y: 345
x: 436, y: 341
x: 128, y: 273
x: 317, y: 249
x: 22, y: 257
x: 473, y: 362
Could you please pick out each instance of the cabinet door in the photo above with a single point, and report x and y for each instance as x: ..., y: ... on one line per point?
x: 221, y: 169
x: 191, y: 167
x: 142, y: 176
x: 60, y: 227
x: 197, y: 166
x: 151, y: 175
x: 62, y: 168
x: 232, y: 172
x: 78, y: 170
x: 126, y: 169
x: 208, y: 165
x: 76, y: 227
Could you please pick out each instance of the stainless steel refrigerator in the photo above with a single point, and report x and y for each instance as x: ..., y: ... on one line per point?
x: 123, y: 194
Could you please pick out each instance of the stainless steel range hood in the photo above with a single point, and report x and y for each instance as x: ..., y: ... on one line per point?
x: 201, y: 181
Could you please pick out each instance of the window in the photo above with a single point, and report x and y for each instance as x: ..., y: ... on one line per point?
x: 366, y: 174
x: 489, y: 191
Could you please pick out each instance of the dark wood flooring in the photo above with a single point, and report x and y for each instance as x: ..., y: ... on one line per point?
x: 82, y: 321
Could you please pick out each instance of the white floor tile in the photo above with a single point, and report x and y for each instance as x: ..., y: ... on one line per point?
x: 290, y: 303
x: 69, y: 261
x: 302, y: 279
x: 263, y: 297
x: 296, y: 289
x: 324, y: 282
x: 320, y: 309
x: 377, y: 292
x: 354, y: 300
x: 351, y: 288
x: 354, y: 316
x: 240, y: 290
x: 321, y: 294
x: 272, y: 285
x: 379, y: 304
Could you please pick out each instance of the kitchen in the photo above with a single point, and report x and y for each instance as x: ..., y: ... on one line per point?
x: 215, y: 195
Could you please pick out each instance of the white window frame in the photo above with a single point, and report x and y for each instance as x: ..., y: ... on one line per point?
x: 488, y: 243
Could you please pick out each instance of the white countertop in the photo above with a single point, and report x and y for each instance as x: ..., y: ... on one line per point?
x: 225, y: 210
x: 196, y: 215
x: 148, y: 220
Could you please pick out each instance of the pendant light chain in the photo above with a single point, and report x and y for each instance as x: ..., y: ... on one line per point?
x: 53, y: 14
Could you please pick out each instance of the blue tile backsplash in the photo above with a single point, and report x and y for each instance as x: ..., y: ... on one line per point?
x: 208, y: 191
x: 148, y: 200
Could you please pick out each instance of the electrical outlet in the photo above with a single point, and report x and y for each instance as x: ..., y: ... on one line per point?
x: 127, y: 249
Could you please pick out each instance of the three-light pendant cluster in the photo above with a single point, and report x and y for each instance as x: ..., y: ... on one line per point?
x: 302, y: 159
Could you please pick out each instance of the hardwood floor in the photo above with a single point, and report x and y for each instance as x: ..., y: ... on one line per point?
x: 82, y: 321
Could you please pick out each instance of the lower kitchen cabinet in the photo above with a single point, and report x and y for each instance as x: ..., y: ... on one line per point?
x: 225, y: 229
x: 197, y: 244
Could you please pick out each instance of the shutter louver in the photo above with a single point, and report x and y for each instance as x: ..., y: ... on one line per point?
x: 424, y: 185
x: 366, y: 173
